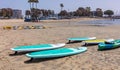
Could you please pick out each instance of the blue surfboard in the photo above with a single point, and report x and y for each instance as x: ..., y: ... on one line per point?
x: 60, y: 52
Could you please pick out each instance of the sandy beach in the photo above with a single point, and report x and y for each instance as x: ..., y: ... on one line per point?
x: 57, y: 31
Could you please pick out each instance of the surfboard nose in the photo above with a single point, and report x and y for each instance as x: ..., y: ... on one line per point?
x: 59, y: 44
x: 92, y: 38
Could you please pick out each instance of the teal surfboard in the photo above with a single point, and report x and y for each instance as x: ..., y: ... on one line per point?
x: 60, y: 52
x: 37, y: 47
x: 109, y: 45
x: 80, y: 38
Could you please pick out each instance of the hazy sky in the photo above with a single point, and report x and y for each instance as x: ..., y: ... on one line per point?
x: 69, y: 5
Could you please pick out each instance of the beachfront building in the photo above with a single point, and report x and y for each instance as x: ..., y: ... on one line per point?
x: 8, y: 13
x: 17, y: 14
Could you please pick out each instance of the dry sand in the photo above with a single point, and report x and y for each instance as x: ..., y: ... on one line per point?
x: 57, y: 32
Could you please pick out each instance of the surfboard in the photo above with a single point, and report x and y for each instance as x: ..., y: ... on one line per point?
x: 109, y: 45
x: 37, y: 47
x: 60, y: 52
x: 97, y: 41
x: 80, y: 39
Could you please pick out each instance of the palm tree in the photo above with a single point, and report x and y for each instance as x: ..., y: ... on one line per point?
x: 9, y: 12
x: 4, y: 12
x: 50, y: 12
x: 87, y: 11
x: 109, y: 13
x: 99, y: 12
x: 61, y: 5
x: 63, y: 13
x: 79, y: 13
x: 0, y: 12
x: 82, y: 11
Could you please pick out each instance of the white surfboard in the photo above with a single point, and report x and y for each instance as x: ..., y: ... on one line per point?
x: 37, y: 47
x: 80, y: 39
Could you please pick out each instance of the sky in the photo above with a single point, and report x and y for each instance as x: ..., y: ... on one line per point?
x: 69, y: 5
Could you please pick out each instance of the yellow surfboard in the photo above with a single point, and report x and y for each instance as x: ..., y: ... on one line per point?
x: 95, y: 41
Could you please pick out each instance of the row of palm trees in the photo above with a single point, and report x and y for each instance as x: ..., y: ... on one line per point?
x: 39, y: 12
x: 8, y: 12
x: 80, y: 12
x: 65, y: 14
x: 35, y: 13
x: 84, y: 12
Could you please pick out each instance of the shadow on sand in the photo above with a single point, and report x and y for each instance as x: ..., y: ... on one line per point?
x: 18, y: 53
x: 108, y: 49
x: 73, y: 42
x: 89, y: 44
x: 37, y: 60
